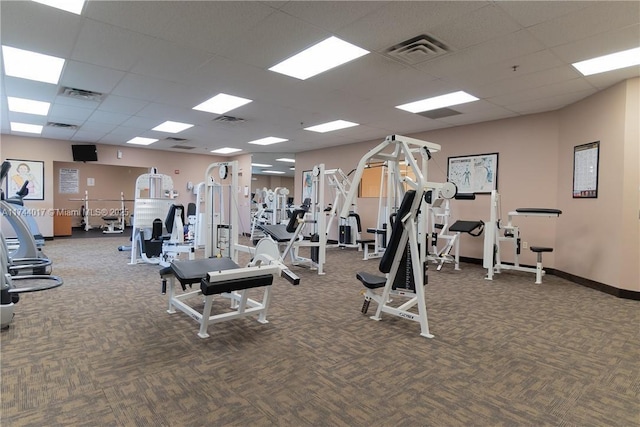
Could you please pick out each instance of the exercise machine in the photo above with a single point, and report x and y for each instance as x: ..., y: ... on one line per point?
x: 113, y: 222
x: 349, y: 228
x: 492, y: 254
x: 18, y: 274
x: 225, y: 278
x: 442, y: 231
x: 404, y: 261
x: 153, y: 198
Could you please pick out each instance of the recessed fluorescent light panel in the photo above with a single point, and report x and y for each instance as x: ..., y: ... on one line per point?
x: 330, y: 126
x: 25, y: 127
x: 267, y: 141
x: 73, y: 6
x: 319, y: 58
x: 274, y: 172
x: 31, y: 65
x: 221, y: 103
x: 261, y: 165
x: 226, y: 150
x: 172, y: 127
x: 441, y: 101
x: 138, y: 140
x: 614, y: 61
x: 21, y: 105
x: 287, y: 160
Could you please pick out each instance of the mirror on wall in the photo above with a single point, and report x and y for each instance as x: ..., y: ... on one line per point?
x: 273, y: 164
x: 267, y: 171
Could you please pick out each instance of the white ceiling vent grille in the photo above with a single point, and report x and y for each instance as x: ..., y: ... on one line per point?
x: 81, y: 94
x: 418, y: 49
x: 62, y: 125
x: 229, y: 119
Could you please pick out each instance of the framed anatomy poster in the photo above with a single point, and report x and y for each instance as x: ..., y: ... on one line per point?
x: 474, y: 174
x: 26, y: 171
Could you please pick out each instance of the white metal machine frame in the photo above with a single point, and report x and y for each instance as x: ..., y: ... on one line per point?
x: 492, y: 257
x: 415, y: 153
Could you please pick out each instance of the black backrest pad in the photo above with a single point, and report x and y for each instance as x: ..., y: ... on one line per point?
x: 171, y: 216
x: 293, y: 220
x: 396, y: 232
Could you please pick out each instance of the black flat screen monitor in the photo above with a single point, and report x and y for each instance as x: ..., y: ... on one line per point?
x: 84, y: 153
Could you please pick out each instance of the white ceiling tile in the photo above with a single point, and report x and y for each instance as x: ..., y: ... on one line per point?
x: 108, y: 117
x: 80, y: 75
x: 144, y: 123
x: 169, y: 61
x: 145, y: 17
x: 28, y: 25
x: 598, y: 17
x: 30, y: 89
x: 67, y: 112
x: 602, y: 44
x: 87, y: 136
x: 109, y: 46
x: 331, y: 15
x: 529, y: 13
x: 213, y: 27
x: 139, y: 87
x: 479, y: 26
x: 121, y: 104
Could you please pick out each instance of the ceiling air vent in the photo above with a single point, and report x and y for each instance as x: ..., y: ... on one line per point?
x: 439, y: 113
x: 418, y: 49
x: 175, y: 139
x: 62, y: 125
x: 183, y: 147
x: 228, y: 119
x: 84, y: 95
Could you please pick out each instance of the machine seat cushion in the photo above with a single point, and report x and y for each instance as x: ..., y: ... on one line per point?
x: 277, y: 232
x: 540, y: 249
x: 193, y: 271
x: 539, y: 211
x: 371, y: 281
x: 468, y: 227
x: 231, y: 285
x: 110, y: 218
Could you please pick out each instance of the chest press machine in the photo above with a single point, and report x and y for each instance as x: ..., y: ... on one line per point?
x: 404, y: 261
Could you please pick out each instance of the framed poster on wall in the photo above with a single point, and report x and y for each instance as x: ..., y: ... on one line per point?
x: 474, y: 174
x: 307, y: 185
x: 22, y: 171
x: 585, y: 170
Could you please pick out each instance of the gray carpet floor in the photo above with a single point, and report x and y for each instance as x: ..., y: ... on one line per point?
x: 102, y: 351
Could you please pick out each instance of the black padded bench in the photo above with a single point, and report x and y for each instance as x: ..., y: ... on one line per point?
x: 234, y: 288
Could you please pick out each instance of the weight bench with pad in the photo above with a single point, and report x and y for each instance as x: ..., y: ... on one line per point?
x: 218, y: 276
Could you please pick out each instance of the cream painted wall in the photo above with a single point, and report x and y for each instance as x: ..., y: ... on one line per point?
x: 599, y: 238
x: 596, y: 239
x: 182, y: 167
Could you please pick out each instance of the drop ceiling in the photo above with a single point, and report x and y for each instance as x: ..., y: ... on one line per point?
x: 153, y: 61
